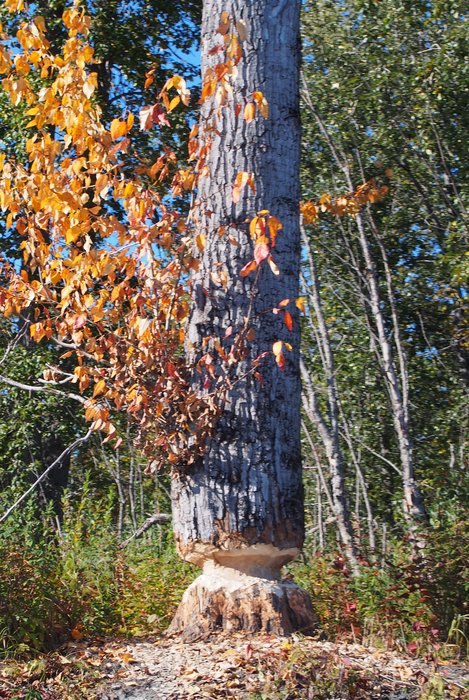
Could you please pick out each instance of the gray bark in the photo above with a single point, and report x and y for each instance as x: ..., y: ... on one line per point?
x: 247, y: 488
x: 335, y: 463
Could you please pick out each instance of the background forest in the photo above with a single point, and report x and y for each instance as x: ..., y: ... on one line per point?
x: 385, y: 350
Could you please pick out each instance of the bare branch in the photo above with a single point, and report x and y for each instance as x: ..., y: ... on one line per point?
x: 156, y: 519
x: 41, y: 478
x: 45, y: 389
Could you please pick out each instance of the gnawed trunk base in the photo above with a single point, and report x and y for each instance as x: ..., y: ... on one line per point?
x: 229, y: 600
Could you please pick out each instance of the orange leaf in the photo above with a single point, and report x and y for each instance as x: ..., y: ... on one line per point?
x: 309, y: 212
x: 224, y: 25
x: 277, y: 349
x: 247, y: 269
x: 262, y: 104
x: 77, y: 632
x: 274, y: 227
x: 287, y: 317
x: 300, y: 304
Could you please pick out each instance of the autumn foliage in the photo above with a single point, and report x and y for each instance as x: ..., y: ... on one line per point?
x: 107, y: 257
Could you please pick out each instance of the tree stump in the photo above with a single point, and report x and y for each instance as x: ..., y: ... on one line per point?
x: 227, y: 599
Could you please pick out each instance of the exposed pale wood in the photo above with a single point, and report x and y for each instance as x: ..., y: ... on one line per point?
x: 223, y: 599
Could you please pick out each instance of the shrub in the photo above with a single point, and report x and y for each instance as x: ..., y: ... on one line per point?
x: 78, y: 582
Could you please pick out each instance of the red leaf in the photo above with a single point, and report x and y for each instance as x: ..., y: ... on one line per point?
x: 216, y: 49
x: 261, y: 252
x: 159, y: 116
x: 153, y: 114
x: 79, y: 322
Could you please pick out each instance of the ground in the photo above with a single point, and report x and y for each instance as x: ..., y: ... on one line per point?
x: 260, y: 668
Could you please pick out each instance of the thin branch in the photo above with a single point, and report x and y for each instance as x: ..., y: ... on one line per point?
x: 12, y: 345
x: 41, y: 478
x: 156, y: 519
x: 373, y: 452
x: 45, y: 389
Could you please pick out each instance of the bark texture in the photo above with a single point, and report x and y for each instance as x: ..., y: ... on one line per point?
x: 247, y: 489
x: 224, y: 599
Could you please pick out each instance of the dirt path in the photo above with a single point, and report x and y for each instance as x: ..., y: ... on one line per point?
x: 270, y: 668
x: 262, y: 668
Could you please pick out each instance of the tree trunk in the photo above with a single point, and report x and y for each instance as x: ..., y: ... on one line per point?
x: 394, y: 374
x: 329, y: 431
x: 239, y: 511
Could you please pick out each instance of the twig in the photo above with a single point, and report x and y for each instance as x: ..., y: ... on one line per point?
x: 66, y: 452
x: 158, y: 518
x: 45, y: 389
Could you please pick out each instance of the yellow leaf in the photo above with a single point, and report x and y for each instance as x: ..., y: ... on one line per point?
x: 300, y: 304
x: 129, y: 189
x: 249, y: 112
x: 99, y: 387
x: 273, y: 266
x: 200, y: 241
x: 118, y: 129
x: 90, y: 85
x: 174, y: 103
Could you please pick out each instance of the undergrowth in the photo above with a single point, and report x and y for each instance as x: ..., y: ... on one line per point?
x: 417, y: 607
x: 78, y: 583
